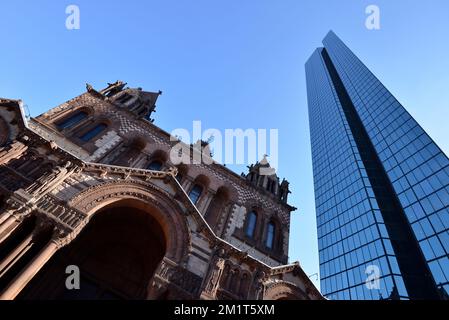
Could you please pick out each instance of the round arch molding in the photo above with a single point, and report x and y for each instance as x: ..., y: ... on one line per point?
x: 147, y: 198
x: 284, y: 291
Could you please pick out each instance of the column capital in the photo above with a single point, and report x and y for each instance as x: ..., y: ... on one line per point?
x: 18, y: 205
x: 63, y: 236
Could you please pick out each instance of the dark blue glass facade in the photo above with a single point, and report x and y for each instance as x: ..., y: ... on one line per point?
x: 381, y: 186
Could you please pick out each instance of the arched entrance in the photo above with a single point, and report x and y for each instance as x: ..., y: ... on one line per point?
x: 117, y: 254
x: 284, y: 291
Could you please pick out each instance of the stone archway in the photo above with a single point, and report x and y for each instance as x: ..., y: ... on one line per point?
x: 283, y: 291
x: 129, y: 233
x: 146, y: 197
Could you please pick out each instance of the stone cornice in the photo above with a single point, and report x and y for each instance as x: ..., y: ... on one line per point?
x: 284, y: 269
x: 127, y: 172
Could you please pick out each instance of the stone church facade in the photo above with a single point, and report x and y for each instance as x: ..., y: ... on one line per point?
x: 89, y: 186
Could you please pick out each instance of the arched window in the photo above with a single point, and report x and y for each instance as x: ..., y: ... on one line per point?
x: 195, y: 193
x: 235, y: 282
x: 93, y: 132
x: 251, y: 225
x: 244, y: 286
x: 216, y: 208
x: 269, y: 241
x: 72, y: 120
x: 226, y: 277
x: 155, y: 165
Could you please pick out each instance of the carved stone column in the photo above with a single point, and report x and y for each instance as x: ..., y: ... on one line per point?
x: 16, y: 254
x: 214, y: 275
x: 6, y: 223
x: 161, y: 279
x: 30, y: 270
x: 3, y: 217
x: 156, y: 289
x: 182, y: 283
x: 23, y: 278
x: 17, y: 209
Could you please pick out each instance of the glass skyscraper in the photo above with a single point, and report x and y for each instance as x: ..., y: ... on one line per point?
x: 381, y: 186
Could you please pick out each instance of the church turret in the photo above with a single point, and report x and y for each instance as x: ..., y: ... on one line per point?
x: 142, y: 103
x: 263, y: 176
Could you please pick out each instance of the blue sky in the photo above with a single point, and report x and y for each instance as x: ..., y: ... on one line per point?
x: 230, y: 64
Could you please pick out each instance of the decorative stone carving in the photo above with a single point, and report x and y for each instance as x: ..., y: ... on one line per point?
x: 215, y: 271
x: 89, y: 87
x: 59, y: 212
x: 179, y: 276
x: 173, y: 171
x: 18, y: 206
x: 63, y: 237
x: 53, y: 145
x: 15, y: 150
x: 48, y: 181
x: 259, y: 285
